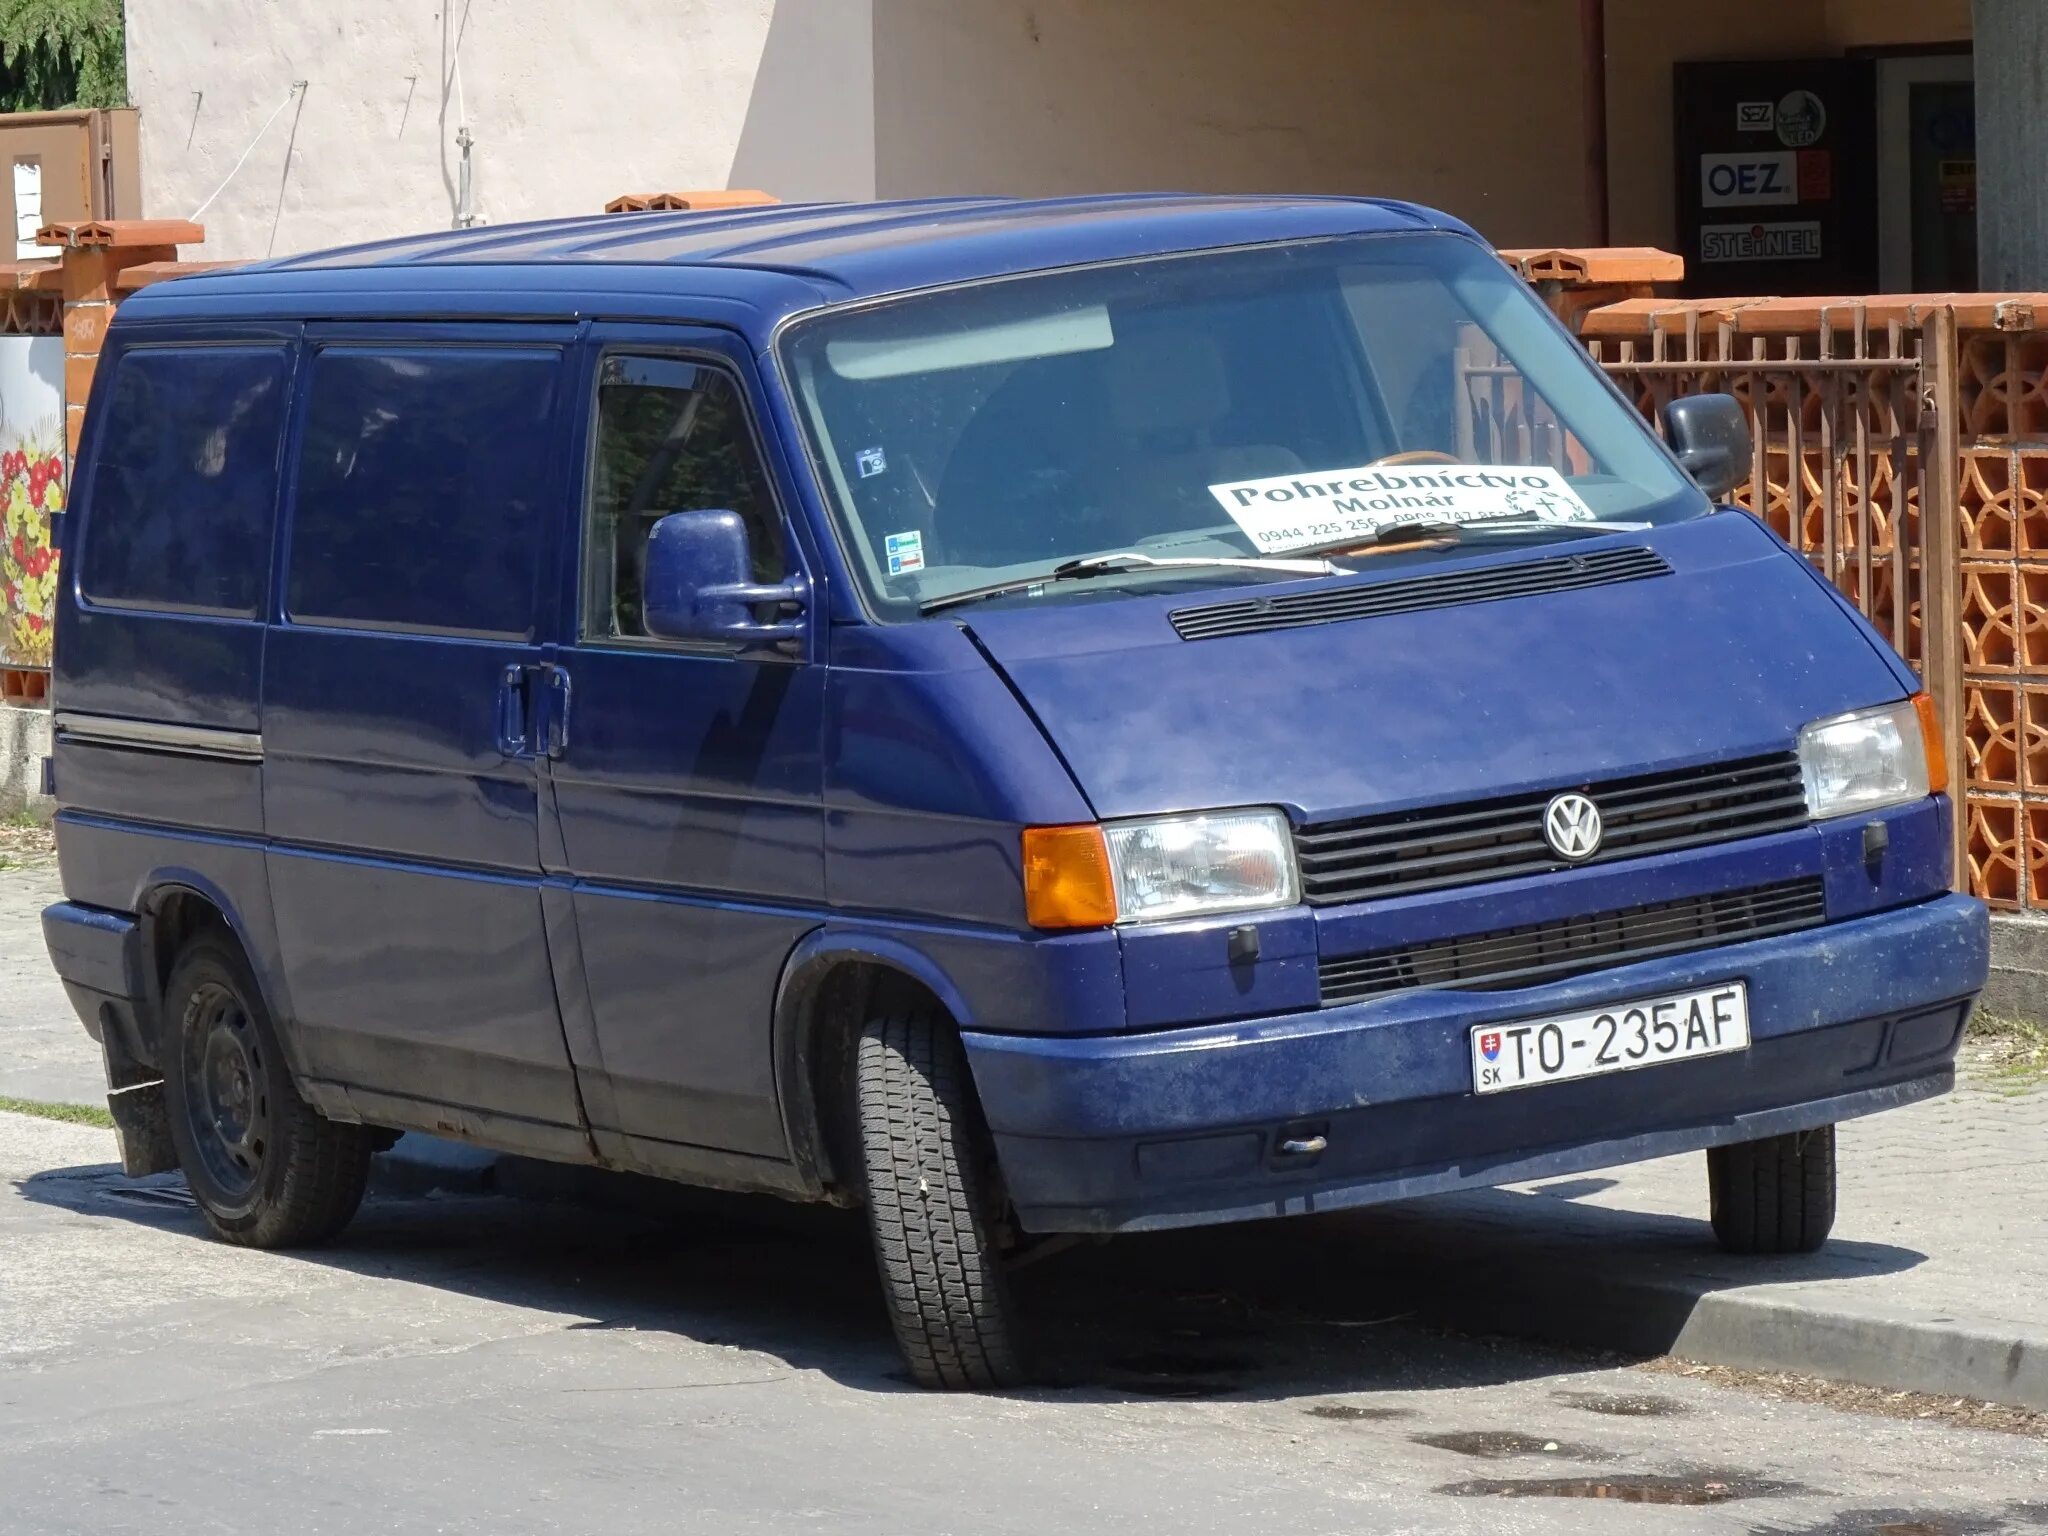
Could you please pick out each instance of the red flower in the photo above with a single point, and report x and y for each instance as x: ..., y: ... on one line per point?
x: 20, y: 550
x: 35, y: 623
x: 38, y: 566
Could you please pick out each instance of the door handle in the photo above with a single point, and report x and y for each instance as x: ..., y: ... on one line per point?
x: 560, y: 694
x: 513, y: 713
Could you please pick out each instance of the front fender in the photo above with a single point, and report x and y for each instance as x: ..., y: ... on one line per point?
x: 815, y: 957
x: 989, y: 979
x: 822, y: 948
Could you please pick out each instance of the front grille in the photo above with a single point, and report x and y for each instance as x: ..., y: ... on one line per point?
x: 1523, y: 957
x: 1466, y: 844
x: 1372, y: 600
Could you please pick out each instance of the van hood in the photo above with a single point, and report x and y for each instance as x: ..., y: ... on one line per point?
x: 1725, y: 657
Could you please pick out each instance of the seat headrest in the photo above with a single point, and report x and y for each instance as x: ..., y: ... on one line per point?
x: 1169, y: 381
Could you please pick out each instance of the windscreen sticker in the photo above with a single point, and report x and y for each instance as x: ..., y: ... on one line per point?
x: 870, y: 462
x: 905, y: 552
x: 1307, y: 511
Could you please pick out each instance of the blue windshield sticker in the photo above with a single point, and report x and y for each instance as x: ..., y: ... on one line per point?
x: 905, y: 552
x: 870, y: 462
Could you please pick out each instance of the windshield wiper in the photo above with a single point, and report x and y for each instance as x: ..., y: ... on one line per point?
x: 1307, y: 564
x: 1485, y: 527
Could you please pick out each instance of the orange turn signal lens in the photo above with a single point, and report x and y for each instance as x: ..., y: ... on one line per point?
x: 1066, y: 878
x: 1930, y: 739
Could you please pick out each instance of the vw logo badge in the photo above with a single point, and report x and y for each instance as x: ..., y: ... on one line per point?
x: 1571, y: 825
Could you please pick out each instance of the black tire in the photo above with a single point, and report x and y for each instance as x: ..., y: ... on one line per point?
x: 267, y: 1170
x: 932, y: 1195
x: 1776, y: 1195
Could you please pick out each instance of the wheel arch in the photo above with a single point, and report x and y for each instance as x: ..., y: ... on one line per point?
x: 830, y: 984
x: 174, y: 905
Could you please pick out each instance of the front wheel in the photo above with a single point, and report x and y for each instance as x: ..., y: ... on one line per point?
x: 267, y: 1169
x: 932, y: 1202
x: 1776, y: 1195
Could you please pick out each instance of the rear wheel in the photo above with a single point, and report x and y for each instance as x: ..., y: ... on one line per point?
x: 1776, y: 1195
x: 267, y: 1170
x: 933, y: 1198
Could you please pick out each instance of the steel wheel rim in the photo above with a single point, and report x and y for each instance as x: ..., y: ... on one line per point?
x: 226, y: 1097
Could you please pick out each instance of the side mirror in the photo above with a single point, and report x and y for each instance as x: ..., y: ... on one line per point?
x: 698, y: 584
x: 1710, y: 435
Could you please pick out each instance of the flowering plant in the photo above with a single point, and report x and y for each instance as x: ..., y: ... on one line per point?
x: 31, y: 492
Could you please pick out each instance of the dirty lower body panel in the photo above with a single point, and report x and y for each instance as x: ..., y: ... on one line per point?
x: 1353, y: 1105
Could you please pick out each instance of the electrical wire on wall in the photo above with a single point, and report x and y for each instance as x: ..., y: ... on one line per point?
x: 276, y: 112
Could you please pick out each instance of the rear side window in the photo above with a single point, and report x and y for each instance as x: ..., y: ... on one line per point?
x: 422, y: 489
x: 186, y: 480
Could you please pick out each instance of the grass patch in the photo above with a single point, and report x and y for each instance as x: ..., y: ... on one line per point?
x: 70, y: 1114
x: 2006, y: 1053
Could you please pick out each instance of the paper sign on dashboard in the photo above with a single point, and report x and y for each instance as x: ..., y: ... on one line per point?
x: 1307, y: 511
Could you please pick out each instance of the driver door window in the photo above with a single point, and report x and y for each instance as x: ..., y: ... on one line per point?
x: 672, y: 436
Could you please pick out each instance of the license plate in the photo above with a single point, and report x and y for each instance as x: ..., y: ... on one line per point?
x: 1617, y: 1038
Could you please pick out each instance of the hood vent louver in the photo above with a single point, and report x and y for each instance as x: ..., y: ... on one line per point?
x: 1443, y: 589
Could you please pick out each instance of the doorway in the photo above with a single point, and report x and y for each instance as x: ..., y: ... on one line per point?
x: 1927, y: 173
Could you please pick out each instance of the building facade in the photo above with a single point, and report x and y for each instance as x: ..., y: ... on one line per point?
x: 368, y: 117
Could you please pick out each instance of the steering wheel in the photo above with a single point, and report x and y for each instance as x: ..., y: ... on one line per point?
x: 1411, y: 456
x: 1417, y: 456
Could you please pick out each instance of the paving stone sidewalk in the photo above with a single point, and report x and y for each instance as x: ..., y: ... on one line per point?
x: 44, y: 1054
x: 1946, y: 1201
x: 1937, y: 1279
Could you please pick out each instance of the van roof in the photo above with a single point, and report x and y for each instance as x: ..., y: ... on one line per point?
x: 774, y: 259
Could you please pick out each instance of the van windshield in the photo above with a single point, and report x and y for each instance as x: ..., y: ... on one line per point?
x: 1391, y: 393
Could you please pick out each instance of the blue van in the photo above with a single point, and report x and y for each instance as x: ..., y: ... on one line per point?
x: 1030, y: 717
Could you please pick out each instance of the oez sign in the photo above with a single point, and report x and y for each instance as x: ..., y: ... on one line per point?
x: 1728, y: 181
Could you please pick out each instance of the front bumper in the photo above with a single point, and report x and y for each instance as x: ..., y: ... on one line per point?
x: 1183, y: 1127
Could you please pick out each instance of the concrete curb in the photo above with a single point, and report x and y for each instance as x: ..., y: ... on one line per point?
x: 2019, y: 968
x: 1544, y: 1269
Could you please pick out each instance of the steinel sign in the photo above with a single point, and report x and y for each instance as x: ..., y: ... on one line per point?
x: 1761, y: 242
x: 1742, y: 180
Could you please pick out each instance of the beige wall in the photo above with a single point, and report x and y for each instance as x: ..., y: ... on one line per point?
x: 1645, y: 38
x: 569, y: 105
x: 1472, y: 105
x: 1888, y: 23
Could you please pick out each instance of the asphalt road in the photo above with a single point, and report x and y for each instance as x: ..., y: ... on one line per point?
x: 480, y: 1365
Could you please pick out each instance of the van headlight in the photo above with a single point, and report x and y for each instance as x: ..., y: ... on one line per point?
x: 1871, y: 759
x: 1186, y: 866
x: 1092, y: 876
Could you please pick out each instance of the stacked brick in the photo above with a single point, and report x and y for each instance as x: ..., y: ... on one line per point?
x: 1866, y: 410
x: 2002, y: 407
